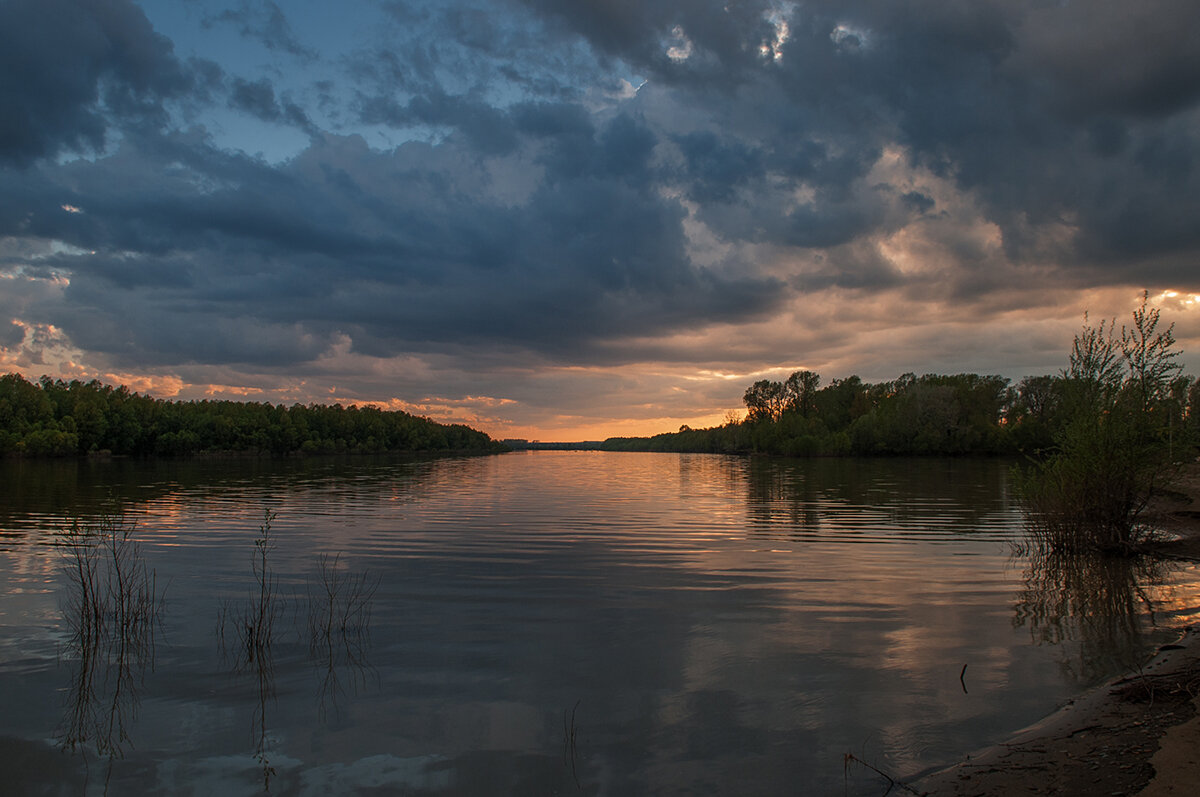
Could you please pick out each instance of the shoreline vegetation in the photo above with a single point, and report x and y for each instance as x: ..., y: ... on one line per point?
x: 53, y: 418
x: 1114, y: 494
x: 1122, y: 402
x: 1138, y: 733
x: 928, y: 415
x: 1100, y: 439
x: 1111, y: 483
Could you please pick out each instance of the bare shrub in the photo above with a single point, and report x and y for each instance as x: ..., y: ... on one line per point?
x: 114, y: 610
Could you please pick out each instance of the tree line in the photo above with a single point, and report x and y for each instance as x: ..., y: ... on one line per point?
x: 57, y: 418
x: 918, y: 415
x: 930, y: 414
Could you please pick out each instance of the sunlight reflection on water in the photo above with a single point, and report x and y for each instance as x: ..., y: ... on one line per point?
x: 559, y: 622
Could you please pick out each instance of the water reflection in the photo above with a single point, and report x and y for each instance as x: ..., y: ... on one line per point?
x: 112, y: 610
x: 339, y: 605
x: 571, y: 743
x: 339, y: 621
x: 252, y: 626
x: 36, y: 492
x: 865, y: 499
x: 1102, y: 604
x: 705, y: 614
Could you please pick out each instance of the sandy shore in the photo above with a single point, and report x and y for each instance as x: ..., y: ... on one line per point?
x: 1138, y: 734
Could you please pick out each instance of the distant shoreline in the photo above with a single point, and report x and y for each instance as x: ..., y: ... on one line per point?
x: 102, y: 456
x: 52, y: 418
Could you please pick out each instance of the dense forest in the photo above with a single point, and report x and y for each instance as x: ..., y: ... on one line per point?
x: 931, y: 414
x: 56, y: 418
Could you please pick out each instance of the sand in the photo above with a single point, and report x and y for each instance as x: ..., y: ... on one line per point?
x: 1137, y: 735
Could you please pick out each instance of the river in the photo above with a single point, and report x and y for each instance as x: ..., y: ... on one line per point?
x: 535, y: 623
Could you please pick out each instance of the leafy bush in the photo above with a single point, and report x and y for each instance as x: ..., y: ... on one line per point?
x: 1120, y: 442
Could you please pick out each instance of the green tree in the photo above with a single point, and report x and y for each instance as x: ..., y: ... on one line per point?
x: 54, y: 418
x: 800, y: 392
x: 1118, y: 443
x: 765, y: 400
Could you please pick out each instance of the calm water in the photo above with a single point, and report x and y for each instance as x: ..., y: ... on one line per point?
x: 545, y: 623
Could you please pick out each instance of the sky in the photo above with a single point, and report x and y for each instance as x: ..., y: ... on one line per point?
x: 575, y: 219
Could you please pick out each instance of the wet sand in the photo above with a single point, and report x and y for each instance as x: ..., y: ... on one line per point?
x: 1138, y: 734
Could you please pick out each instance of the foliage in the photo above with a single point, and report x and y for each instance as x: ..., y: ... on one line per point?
x: 1123, y: 433
x: 56, y: 418
x: 931, y: 414
x: 1107, y: 426
x: 1099, y: 602
x: 113, y: 609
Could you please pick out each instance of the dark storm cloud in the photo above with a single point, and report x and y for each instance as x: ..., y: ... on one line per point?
x: 532, y: 197
x: 266, y: 23
x: 1046, y: 110
x: 716, y: 168
x: 256, y: 98
x: 1052, y: 112
x: 11, y: 334
x: 486, y: 128
x: 383, y: 246
x: 1116, y: 58
x: 470, y: 49
x: 724, y: 37
x: 64, y: 63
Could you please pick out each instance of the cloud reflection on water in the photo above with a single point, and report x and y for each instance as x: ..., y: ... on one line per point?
x: 737, y: 622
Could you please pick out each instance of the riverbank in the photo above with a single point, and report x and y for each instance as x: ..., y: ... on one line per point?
x: 1138, y: 734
